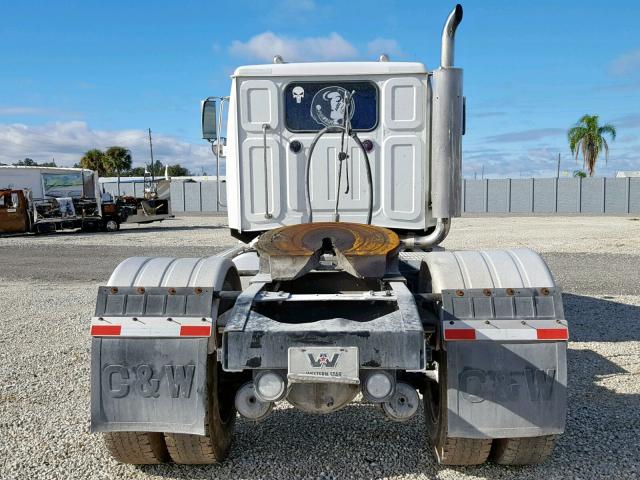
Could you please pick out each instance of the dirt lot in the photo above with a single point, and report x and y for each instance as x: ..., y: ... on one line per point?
x: 47, y: 290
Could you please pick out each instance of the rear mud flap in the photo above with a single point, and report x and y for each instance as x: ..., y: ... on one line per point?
x: 505, y: 390
x: 148, y: 384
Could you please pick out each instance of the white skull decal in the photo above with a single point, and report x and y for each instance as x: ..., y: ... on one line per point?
x: 298, y: 93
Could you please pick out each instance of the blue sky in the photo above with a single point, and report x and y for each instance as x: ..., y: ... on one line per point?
x: 81, y: 74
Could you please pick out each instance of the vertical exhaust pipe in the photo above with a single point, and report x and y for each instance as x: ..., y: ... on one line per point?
x: 446, y: 140
x: 448, y: 37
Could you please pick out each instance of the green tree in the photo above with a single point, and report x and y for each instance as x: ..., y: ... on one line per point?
x: 587, y: 136
x: 118, y: 159
x: 95, y: 159
x: 178, y: 170
x: 135, y: 172
x: 157, y: 168
x: 579, y: 174
x: 29, y: 162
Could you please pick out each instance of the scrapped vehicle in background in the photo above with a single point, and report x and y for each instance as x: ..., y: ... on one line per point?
x: 48, y: 199
x: 342, y: 182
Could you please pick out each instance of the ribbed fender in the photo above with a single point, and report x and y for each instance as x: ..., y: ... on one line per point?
x: 171, y: 272
x: 515, y: 268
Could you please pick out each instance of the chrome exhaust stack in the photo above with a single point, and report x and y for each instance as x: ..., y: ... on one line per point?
x: 448, y: 36
x: 446, y: 140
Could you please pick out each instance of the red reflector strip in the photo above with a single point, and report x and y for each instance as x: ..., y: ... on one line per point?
x: 195, y: 330
x: 100, y: 330
x: 552, y: 334
x: 460, y: 334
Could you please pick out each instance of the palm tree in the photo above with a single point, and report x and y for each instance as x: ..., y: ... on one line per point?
x: 119, y: 159
x: 94, y: 159
x: 588, y: 137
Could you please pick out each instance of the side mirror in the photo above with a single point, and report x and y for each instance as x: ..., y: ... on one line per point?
x: 209, y: 116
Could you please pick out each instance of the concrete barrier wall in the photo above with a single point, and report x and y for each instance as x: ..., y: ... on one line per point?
x: 518, y: 196
x: 185, y: 196
x: 552, y: 195
x: 126, y: 189
x: 198, y: 197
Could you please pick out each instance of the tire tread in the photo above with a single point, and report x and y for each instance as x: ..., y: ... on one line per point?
x: 523, y: 450
x: 138, y: 448
x: 192, y: 449
x: 463, y: 451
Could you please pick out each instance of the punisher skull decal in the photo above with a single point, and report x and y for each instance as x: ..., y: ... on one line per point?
x: 298, y: 93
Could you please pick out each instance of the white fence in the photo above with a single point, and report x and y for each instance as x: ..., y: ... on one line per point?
x: 552, y: 195
x: 517, y: 196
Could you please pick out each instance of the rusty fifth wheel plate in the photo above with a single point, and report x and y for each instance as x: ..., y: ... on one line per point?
x: 362, y: 250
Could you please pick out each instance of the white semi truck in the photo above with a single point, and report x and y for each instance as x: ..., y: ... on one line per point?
x: 342, y: 182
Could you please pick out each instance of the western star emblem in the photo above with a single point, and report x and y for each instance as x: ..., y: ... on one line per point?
x: 323, y: 360
x: 328, y: 105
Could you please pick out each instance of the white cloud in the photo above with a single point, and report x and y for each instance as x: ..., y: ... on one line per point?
x: 267, y: 44
x: 379, y: 45
x: 67, y: 142
x: 626, y: 63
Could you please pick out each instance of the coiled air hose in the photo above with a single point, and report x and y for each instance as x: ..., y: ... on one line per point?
x: 354, y: 135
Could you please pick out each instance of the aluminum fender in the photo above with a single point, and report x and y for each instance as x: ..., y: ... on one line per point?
x: 143, y: 290
x: 515, y: 268
x: 141, y: 378
x: 171, y: 272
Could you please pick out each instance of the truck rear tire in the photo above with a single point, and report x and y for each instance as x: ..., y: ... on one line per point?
x: 522, y: 451
x: 138, y: 448
x: 449, y: 450
x: 213, y: 446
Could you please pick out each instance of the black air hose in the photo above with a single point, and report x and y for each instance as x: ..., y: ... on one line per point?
x: 354, y: 135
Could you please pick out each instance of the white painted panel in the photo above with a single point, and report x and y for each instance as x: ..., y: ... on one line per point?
x: 253, y: 175
x: 403, y: 103
x: 402, y: 172
x: 402, y: 209
x: 258, y: 105
x: 295, y: 177
x: 324, y: 177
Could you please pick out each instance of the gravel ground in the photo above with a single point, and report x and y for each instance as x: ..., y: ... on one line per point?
x: 47, y: 290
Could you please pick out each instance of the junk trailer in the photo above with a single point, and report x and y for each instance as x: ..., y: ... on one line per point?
x: 343, y: 180
x: 48, y: 199
x: 151, y: 204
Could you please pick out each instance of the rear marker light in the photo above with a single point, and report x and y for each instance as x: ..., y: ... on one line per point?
x: 295, y: 146
x: 368, y: 145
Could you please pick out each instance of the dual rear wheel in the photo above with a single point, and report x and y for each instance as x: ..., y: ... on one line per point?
x: 471, y: 451
x: 155, y: 447
x: 213, y: 447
